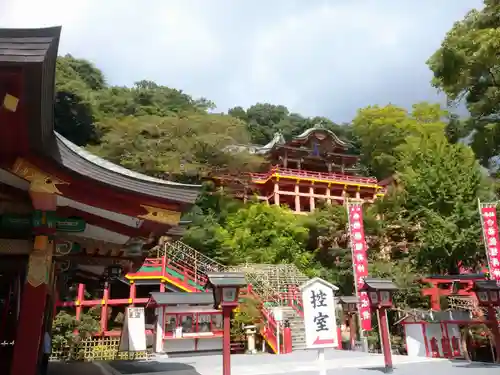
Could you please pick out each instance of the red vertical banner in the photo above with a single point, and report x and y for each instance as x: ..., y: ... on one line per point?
x: 489, y: 223
x: 359, y: 261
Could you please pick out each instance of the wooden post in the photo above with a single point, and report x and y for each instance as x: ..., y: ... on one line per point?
x: 29, y: 335
x: 312, y: 205
x: 80, y: 297
x: 276, y: 194
x: 226, y: 341
x: 297, y: 197
x: 132, y: 293
x: 328, y: 195
x: 384, y: 338
x: 104, y: 309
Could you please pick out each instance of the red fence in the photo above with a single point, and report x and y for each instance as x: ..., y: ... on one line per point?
x: 308, y: 174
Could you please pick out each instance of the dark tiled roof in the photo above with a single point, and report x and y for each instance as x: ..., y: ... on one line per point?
x: 82, y: 162
x: 27, y: 45
x: 182, y: 298
x: 226, y: 278
x: 379, y: 284
x: 465, y: 276
x: 36, y: 51
x: 348, y: 299
x: 486, y: 285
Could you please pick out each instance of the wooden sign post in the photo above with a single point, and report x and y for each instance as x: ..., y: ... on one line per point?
x: 318, y: 299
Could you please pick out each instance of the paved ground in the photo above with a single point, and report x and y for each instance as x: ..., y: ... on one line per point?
x: 77, y: 368
x: 299, y: 363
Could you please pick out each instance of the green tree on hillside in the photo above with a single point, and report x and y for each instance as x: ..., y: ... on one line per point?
x: 380, y: 130
x: 264, y: 120
x: 467, y: 68
x: 435, y: 201
x: 181, y: 148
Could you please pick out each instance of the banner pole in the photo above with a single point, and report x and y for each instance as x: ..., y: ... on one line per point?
x: 362, y: 337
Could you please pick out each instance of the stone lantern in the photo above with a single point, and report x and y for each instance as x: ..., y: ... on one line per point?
x: 349, y: 304
x: 380, y: 292
x: 349, y: 308
x: 488, y: 295
x: 226, y: 290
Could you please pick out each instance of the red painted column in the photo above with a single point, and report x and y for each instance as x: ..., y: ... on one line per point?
x: 29, y: 334
x: 79, y: 299
x: 287, y: 338
x: 435, y: 302
x: 352, y: 330
x: 226, y: 341
x: 132, y: 294
x: 492, y: 317
x: 104, y: 309
x: 384, y: 336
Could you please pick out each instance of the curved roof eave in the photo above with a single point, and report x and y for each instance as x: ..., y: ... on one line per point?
x: 86, y: 164
x: 307, y: 133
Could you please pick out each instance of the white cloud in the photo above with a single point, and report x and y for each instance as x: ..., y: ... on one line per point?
x: 318, y: 57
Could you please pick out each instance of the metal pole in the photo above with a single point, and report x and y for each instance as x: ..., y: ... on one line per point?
x: 384, y: 338
x: 277, y: 337
x: 321, y: 360
x: 226, y: 344
x: 362, y: 337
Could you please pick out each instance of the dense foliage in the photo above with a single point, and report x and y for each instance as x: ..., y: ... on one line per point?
x: 427, y: 222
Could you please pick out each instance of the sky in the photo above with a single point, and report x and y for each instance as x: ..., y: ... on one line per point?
x: 317, y: 57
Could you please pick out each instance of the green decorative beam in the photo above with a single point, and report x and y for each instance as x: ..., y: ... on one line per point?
x: 26, y: 223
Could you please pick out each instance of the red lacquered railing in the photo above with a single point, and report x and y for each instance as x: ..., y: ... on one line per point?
x: 187, y: 273
x: 308, y: 174
x: 270, y: 325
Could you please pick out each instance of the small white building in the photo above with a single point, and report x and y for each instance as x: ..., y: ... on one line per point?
x: 434, y: 333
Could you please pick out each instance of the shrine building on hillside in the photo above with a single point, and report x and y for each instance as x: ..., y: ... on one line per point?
x: 313, y: 167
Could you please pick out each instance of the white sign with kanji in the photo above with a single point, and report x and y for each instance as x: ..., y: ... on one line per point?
x: 133, y: 337
x: 319, y: 314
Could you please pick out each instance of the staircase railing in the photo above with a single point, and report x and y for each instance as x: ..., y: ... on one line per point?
x: 195, y: 264
x: 269, y: 325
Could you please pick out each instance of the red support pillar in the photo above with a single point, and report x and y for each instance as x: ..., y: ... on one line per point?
x: 104, y: 309
x: 79, y: 299
x: 352, y: 330
x: 287, y: 338
x: 435, y: 302
x: 384, y: 336
x: 29, y: 334
x: 226, y: 341
x: 132, y: 293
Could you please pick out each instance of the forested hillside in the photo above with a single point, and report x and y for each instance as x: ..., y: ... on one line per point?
x: 427, y: 224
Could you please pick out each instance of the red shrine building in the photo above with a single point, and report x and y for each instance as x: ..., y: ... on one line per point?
x: 315, y: 166
x: 64, y: 213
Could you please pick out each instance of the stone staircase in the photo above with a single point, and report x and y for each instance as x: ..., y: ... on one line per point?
x: 296, y: 326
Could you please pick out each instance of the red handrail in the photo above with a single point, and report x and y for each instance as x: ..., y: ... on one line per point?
x: 320, y: 175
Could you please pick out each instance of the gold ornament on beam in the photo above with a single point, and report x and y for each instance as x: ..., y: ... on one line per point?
x: 41, y: 182
x: 39, y: 266
x: 161, y: 215
x: 10, y: 102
